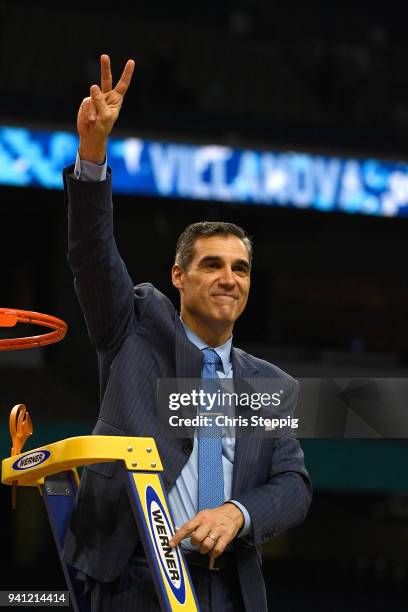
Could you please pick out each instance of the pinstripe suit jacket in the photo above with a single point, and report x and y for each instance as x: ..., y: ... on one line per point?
x: 139, y: 338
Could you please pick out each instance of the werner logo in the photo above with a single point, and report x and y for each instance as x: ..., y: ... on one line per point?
x: 169, y: 557
x: 31, y: 459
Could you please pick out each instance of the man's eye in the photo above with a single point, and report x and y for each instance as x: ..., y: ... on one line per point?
x: 241, y: 270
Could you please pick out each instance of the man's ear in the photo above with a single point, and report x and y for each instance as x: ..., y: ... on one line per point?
x: 177, y: 276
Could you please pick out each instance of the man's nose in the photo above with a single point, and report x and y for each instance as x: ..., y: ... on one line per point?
x: 227, y: 277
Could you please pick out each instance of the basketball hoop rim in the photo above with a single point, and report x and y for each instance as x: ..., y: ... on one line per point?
x: 9, y: 317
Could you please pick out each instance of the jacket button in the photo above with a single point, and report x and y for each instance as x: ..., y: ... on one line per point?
x: 187, y: 448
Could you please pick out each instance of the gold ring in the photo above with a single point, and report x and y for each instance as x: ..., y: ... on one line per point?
x: 210, y: 535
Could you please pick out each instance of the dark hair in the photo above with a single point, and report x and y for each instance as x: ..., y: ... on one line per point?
x: 186, y: 240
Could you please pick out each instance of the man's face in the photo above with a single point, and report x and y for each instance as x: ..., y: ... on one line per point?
x: 214, y: 289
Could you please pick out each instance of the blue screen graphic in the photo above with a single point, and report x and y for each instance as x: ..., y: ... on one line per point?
x: 215, y: 173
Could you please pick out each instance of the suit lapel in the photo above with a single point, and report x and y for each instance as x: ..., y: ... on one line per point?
x: 188, y: 356
x: 188, y: 359
x: 244, y: 446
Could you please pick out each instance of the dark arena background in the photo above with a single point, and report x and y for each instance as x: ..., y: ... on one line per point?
x: 317, y: 93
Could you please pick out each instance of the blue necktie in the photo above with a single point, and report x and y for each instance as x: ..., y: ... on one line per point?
x: 210, y: 471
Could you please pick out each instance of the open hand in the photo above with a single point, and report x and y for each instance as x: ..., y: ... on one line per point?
x: 99, y: 112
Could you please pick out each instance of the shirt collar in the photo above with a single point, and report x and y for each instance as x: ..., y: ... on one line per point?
x: 224, y: 351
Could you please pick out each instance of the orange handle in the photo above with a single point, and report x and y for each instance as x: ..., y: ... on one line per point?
x: 21, y: 427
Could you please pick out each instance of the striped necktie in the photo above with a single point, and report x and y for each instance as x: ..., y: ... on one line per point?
x: 210, y: 471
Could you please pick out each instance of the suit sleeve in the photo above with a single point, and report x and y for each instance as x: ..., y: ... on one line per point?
x: 284, y: 500
x: 102, y: 283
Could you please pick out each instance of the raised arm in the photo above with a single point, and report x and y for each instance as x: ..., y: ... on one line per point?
x: 103, y: 285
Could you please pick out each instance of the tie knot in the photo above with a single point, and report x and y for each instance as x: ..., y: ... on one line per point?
x: 211, y: 357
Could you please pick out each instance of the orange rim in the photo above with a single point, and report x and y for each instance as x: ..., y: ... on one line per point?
x: 9, y: 317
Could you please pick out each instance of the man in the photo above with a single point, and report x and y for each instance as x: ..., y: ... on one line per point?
x: 262, y: 485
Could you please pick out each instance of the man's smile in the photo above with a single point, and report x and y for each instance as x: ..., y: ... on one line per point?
x: 225, y: 297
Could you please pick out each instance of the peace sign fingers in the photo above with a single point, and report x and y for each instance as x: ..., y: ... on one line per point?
x: 98, y: 113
